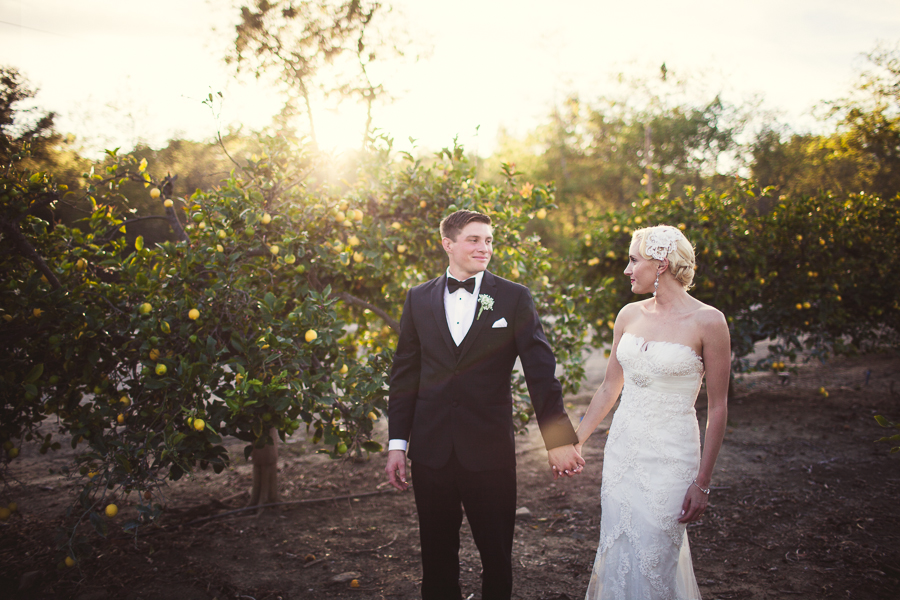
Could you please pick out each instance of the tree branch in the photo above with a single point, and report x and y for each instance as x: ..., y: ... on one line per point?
x: 109, y: 234
x: 20, y: 242
x: 395, y: 325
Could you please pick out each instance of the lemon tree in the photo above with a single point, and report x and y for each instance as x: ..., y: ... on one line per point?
x: 810, y: 274
x: 272, y: 306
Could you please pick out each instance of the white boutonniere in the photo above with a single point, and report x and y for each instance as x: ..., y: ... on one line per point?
x: 486, y: 302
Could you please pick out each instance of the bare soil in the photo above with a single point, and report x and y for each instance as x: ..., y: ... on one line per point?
x: 804, y: 505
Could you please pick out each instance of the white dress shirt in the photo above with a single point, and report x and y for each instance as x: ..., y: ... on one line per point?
x: 459, y: 308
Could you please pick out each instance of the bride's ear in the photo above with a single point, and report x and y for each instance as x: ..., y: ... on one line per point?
x: 663, y: 266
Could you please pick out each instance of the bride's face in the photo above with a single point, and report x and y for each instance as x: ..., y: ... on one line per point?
x: 641, y: 271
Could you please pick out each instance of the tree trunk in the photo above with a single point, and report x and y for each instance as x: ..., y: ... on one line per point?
x: 265, y: 473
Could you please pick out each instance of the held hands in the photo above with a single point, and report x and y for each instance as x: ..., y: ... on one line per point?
x: 396, y: 469
x: 565, y: 460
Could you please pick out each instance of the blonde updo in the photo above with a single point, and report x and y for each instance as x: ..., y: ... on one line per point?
x: 682, y: 262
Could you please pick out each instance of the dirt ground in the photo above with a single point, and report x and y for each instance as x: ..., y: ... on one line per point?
x: 804, y: 505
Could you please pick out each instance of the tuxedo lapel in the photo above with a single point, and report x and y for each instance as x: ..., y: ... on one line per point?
x: 489, y: 287
x: 440, y: 314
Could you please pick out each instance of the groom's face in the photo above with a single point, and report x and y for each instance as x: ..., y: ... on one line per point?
x: 471, y: 252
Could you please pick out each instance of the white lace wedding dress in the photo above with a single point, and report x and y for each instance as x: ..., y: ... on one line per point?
x: 651, y: 457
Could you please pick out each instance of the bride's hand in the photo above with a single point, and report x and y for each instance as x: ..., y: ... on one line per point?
x: 694, y: 505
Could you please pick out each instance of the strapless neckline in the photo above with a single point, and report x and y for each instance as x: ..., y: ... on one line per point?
x: 643, y: 344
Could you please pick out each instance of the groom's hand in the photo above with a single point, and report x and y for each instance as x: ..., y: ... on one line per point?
x: 565, y: 460
x: 396, y: 469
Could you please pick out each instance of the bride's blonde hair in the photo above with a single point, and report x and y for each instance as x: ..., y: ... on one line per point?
x: 682, y: 261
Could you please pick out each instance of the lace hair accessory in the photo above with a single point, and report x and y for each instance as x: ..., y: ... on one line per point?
x: 661, y: 242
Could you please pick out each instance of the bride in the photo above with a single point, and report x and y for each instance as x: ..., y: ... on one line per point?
x: 655, y: 481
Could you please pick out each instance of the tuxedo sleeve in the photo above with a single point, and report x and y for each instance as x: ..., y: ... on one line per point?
x: 539, y: 366
x: 405, y: 372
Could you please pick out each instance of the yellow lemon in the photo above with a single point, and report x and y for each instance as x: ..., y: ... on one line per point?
x: 357, y: 215
x: 154, y: 354
x: 219, y: 248
x: 222, y: 234
x: 125, y: 400
x: 339, y: 216
x: 165, y: 327
x: 401, y: 248
x: 290, y: 259
x: 358, y: 257
x: 161, y: 369
x: 120, y: 419
x: 92, y: 474
x: 168, y: 203
x: 806, y: 305
x: 373, y: 416
x: 344, y: 370
x: 423, y: 204
x: 145, y: 308
x: 274, y: 250
x: 8, y: 318
x: 266, y: 219
x: 111, y: 510
x: 311, y: 335
x: 4, y: 513
x: 199, y: 424
x: 154, y: 193
x: 37, y: 312
x: 353, y: 240
x: 354, y: 583
x: 541, y: 213
x: 70, y: 562
x: 13, y: 453
x: 193, y: 314
x: 396, y: 225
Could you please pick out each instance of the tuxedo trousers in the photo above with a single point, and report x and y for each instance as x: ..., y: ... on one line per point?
x: 489, y: 500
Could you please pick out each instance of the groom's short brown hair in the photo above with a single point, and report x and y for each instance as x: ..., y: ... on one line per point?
x: 456, y: 222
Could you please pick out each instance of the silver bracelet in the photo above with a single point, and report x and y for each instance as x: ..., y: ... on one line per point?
x: 705, y: 491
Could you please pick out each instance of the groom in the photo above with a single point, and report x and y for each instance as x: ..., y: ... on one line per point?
x: 451, y: 403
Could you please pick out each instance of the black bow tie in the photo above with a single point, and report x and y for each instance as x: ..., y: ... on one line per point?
x: 455, y: 284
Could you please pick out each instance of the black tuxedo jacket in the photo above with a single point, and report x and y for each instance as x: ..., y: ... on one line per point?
x: 446, y: 399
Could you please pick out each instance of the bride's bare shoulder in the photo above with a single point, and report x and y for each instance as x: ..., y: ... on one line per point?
x: 633, y: 309
x: 710, y: 318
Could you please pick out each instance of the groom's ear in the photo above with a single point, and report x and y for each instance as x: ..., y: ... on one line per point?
x: 445, y: 242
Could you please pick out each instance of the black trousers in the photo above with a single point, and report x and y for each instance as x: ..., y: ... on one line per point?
x: 489, y: 499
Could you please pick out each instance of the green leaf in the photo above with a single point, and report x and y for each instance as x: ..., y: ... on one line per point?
x: 372, y: 446
x: 35, y: 373
x: 882, y: 421
x: 236, y: 342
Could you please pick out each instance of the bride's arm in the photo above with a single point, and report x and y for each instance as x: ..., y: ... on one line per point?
x: 717, y: 361
x: 606, y: 395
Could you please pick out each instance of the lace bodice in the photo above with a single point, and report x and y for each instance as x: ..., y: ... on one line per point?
x: 667, y: 368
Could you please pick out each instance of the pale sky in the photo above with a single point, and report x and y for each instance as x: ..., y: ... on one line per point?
x: 120, y: 71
